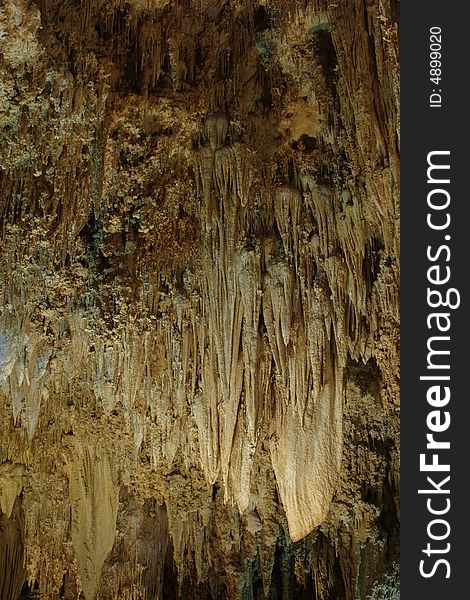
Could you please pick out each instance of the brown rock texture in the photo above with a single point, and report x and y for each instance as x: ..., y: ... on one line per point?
x: 199, y: 320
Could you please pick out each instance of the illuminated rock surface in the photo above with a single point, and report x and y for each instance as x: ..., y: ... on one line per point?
x: 199, y: 315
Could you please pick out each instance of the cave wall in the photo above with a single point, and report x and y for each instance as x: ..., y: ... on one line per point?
x: 199, y: 318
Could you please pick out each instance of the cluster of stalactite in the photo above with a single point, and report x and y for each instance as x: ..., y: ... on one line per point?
x: 199, y: 317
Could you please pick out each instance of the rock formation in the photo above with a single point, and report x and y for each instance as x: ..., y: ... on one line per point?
x: 199, y: 317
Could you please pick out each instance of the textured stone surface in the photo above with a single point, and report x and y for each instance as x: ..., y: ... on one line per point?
x: 199, y: 314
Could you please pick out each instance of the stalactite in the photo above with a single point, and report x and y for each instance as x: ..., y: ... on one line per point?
x: 93, y: 499
x: 199, y: 318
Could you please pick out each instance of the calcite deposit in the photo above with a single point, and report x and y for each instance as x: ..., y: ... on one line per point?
x: 199, y: 313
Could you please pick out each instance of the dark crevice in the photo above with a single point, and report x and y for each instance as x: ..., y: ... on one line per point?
x: 366, y: 376
x: 261, y: 19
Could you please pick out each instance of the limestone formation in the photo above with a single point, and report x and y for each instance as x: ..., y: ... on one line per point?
x: 199, y: 321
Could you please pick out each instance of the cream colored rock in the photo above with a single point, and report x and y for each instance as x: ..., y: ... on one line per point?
x: 11, y: 485
x: 94, y: 501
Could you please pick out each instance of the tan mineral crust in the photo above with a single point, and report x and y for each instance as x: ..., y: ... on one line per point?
x: 199, y: 313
